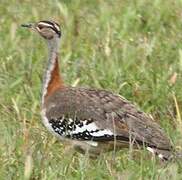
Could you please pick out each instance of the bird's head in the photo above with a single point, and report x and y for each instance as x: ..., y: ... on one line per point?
x: 47, y: 29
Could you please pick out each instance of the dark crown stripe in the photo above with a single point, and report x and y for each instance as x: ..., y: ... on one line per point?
x: 53, y: 27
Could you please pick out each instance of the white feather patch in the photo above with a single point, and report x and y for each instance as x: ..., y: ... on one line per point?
x: 91, y: 127
x: 101, y: 133
x: 154, y: 152
x: 92, y: 143
x: 47, y: 124
x: 151, y: 150
x: 161, y: 156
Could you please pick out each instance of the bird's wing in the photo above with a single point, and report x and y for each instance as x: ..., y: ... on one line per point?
x: 99, y: 115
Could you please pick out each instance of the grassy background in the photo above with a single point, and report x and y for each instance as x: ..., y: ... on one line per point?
x: 133, y: 48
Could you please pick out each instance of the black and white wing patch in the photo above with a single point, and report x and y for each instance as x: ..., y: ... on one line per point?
x: 80, y: 130
x: 87, y: 130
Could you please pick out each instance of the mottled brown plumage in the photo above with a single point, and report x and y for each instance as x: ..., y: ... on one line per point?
x: 107, y: 110
x: 93, y: 120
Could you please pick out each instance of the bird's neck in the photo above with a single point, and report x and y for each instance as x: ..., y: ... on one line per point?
x: 52, y: 79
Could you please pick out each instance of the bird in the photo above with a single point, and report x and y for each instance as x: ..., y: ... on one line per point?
x: 92, y: 120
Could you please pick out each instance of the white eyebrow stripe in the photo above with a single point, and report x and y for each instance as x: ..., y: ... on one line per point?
x: 57, y: 27
x: 45, y: 24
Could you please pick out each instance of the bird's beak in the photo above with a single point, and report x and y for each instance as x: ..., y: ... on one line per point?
x: 30, y: 25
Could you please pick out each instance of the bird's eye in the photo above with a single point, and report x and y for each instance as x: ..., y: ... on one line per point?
x: 40, y: 27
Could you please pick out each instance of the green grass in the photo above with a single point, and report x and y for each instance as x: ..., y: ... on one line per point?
x: 133, y: 48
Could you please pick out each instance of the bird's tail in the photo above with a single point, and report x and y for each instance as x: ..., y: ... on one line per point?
x: 166, y: 155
